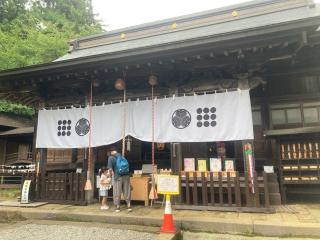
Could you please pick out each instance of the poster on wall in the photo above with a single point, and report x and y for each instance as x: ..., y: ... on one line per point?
x: 189, y: 164
x: 202, y: 165
x: 229, y: 165
x: 215, y: 165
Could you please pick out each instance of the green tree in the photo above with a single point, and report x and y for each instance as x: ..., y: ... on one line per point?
x: 11, y: 9
x: 38, y: 31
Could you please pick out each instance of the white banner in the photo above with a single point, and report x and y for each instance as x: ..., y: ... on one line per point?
x: 201, y: 118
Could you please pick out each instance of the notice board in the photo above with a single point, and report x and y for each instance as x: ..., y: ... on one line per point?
x: 168, y: 184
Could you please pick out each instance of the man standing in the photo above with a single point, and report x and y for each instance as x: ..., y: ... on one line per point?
x: 120, y: 168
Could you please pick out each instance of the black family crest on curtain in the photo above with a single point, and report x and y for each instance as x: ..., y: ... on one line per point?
x: 206, y: 117
x: 181, y: 118
x: 64, y: 128
x: 82, y: 127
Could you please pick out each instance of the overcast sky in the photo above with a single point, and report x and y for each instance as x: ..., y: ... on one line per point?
x: 124, y: 13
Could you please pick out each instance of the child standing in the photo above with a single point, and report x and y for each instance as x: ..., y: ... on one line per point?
x: 105, y: 185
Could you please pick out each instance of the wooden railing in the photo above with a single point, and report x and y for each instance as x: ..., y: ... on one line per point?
x: 9, y: 180
x: 214, y: 191
x: 207, y: 191
x: 14, y: 157
x: 66, y: 188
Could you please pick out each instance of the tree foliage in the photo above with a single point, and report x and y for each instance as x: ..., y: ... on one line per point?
x: 16, y: 109
x: 38, y: 31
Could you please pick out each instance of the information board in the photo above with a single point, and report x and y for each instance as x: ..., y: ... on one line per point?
x: 25, y: 191
x: 168, y: 184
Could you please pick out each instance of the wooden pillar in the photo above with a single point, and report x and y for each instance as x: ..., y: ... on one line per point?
x: 281, y: 185
x: 3, y: 150
x: 176, y: 158
x: 176, y: 164
x: 43, y: 161
x: 34, y: 137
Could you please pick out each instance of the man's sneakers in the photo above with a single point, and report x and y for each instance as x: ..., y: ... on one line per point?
x: 129, y: 209
x: 117, y: 209
x: 105, y: 207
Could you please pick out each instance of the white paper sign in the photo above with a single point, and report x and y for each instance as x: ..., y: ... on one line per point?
x: 25, y: 191
x: 268, y: 169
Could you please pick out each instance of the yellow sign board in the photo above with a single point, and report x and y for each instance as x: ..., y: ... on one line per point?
x: 168, y: 184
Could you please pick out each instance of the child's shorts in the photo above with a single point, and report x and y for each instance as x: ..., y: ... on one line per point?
x: 103, y: 193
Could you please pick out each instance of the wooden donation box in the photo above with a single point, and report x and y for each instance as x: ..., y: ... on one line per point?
x: 140, y: 191
x: 140, y: 184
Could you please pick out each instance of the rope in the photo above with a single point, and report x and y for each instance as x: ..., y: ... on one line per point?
x: 124, y: 123
x: 153, y: 119
x: 124, y: 116
x: 153, y: 161
x: 90, y: 132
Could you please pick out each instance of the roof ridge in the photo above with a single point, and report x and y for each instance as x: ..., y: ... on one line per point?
x: 183, y: 18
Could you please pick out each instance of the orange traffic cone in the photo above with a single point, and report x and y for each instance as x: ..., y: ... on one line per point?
x: 167, y: 225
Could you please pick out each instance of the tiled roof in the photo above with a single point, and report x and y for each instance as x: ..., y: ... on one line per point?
x: 209, y: 24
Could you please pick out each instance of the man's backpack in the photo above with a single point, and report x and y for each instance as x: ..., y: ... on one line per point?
x: 122, y: 165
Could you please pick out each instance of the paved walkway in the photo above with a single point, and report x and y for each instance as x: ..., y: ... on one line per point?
x: 62, y: 230
x: 220, y: 236
x: 290, y: 220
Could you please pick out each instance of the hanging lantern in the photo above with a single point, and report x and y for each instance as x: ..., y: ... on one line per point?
x: 153, y: 80
x: 120, y: 84
x: 129, y: 141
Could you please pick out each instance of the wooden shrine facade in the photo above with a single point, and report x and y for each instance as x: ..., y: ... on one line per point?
x: 270, y: 47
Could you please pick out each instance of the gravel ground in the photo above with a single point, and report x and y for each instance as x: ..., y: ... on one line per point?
x: 214, y: 236
x: 31, y: 231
